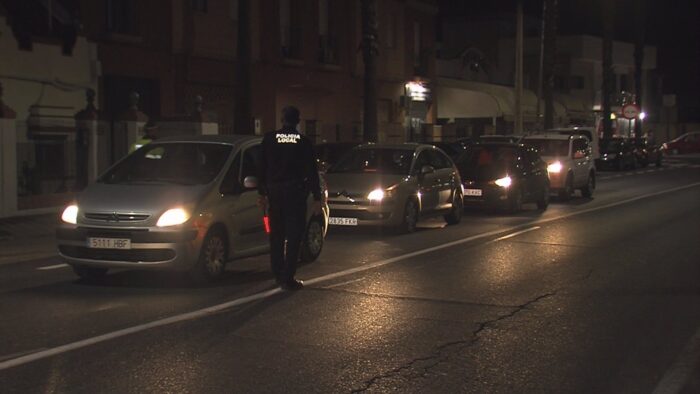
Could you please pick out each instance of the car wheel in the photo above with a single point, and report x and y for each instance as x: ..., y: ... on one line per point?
x: 455, y: 215
x: 313, y: 240
x: 212, y: 258
x: 543, y: 201
x: 89, y: 273
x: 568, y: 190
x: 515, y: 203
x: 410, y: 217
x: 587, y: 191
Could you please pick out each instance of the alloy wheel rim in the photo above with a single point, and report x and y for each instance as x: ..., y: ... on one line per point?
x: 215, y: 256
x: 315, y: 237
x: 411, y: 214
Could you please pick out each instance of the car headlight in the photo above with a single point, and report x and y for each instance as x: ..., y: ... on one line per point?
x: 554, y: 167
x: 173, y: 217
x: 376, y: 195
x: 504, y: 182
x: 70, y: 214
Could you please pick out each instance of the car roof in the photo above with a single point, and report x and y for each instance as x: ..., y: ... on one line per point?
x: 405, y: 145
x: 231, y: 139
x: 561, y: 137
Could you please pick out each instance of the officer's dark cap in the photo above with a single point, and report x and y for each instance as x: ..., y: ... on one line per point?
x: 290, y: 115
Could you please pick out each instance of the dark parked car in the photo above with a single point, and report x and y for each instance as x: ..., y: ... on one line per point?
x: 687, y: 143
x: 646, y: 153
x: 617, y: 154
x: 501, y: 175
x: 329, y: 153
x: 509, y: 138
x: 453, y: 149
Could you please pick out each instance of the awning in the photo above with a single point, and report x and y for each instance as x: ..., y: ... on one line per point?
x: 575, y: 107
x: 468, y: 99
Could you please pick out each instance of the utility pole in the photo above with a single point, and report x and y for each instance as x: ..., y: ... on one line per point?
x: 607, y: 88
x: 244, y: 113
x: 370, y: 50
x: 519, y: 70
x: 540, y: 74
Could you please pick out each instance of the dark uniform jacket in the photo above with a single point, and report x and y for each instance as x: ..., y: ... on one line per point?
x: 288, y: 157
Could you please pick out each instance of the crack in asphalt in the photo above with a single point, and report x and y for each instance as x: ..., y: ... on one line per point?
x: 412, y: 298
x: 438, y: 355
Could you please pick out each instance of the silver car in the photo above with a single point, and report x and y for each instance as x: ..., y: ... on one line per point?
x: 394, y: 186
x: 180, y: 203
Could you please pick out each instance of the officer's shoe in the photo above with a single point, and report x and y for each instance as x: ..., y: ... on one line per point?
x: 292, y: 285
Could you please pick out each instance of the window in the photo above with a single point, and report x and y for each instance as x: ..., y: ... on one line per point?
x: 438, y: 160
x: 421, y: 161
x: 199, y: 5
x: 328, y: 45
x: 251, y: 162
x: 122, y: 17
x: 580, y: 146
x: 290, y: 34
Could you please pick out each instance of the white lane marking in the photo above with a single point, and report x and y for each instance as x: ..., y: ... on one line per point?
x: 680, y: 372
x: 527, y: 230
x: 15, y: 355
x: 343, y: 283
x: 52, y: 267
x: 269, y: 293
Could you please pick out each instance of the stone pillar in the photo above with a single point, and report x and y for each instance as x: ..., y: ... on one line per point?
x: 8, y: 159
x: 86, y: 141
x: 202, y: 127
x: 130, y: 127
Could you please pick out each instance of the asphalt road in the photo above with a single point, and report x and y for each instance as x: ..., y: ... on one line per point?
x: 594, y: 295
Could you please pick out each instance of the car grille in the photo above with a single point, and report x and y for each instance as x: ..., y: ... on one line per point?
x: 116, y: 217
x: 361, y: 215
x: 132, y: 255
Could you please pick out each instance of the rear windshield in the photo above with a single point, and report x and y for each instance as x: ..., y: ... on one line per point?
x: 176, y: 163
x: 383, y: 161
x: 550, y: 147
x: 610, y: 145
x: 330, y: 153
x: 487, y: 162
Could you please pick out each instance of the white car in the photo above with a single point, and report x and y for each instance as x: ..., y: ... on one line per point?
x: 570, y: 162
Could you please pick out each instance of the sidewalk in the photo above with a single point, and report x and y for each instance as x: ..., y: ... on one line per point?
x: 27, y: 238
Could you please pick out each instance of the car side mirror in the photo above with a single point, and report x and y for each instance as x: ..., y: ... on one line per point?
x: 425, y: 170
x: 250, y: 182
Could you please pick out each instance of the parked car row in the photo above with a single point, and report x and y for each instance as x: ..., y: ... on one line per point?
x: 627, y: 153
x: 189, y: 203
x: 686, y: 143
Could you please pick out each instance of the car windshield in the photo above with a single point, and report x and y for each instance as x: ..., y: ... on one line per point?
x: 330, y: 153
x: 383, y: 161
x: 607, y: 146
x: 487, y: 162
x: 548, y: 147
x: 176, y: 163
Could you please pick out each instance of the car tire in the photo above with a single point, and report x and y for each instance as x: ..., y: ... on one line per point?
x: 313, y: 240
x: 587, y: 191
x: 457, y: 210
x: 89, y: 273
x: 515, y: 202
x: 543, y: 201
x: 410, y: 217
x: 212, y: 258
x: 568, y: 190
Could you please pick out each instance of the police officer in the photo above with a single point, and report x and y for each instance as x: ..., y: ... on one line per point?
x: 287, y: 174
x: 150, y: 130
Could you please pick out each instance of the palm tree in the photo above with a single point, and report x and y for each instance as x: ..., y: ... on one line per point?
x: 370, y: 50
x: 550, y: 59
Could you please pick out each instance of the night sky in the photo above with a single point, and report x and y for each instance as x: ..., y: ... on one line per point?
x: 672, y: 25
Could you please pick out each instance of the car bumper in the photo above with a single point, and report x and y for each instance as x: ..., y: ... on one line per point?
x: 150, y: 249
x: 557, y: 181
x: 367, y: 214
x: 492, y: 196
